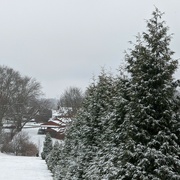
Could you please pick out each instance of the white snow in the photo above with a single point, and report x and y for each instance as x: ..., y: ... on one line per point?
x: 23, y: 168
x: 36, y: 138
x: 26, y: 168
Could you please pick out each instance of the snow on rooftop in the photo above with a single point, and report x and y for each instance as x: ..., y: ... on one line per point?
x: 50, y: 124
x: 61, y: 112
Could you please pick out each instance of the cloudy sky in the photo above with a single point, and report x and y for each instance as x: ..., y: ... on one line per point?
x: 65, y: 43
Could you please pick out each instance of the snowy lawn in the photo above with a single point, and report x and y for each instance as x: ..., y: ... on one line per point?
x: 23, y: 168
x: 38, y: 139
x: 26, y: 168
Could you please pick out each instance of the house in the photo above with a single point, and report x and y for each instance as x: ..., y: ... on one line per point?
x: 56, y: 126
x: 56, y: 130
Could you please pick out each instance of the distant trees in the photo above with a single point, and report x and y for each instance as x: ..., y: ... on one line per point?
x: 45, y: 110
x: 129, y: 128
x: 71, y: 98
x: 24, y: 104
x: 8, y: 87
x: 19, y: 98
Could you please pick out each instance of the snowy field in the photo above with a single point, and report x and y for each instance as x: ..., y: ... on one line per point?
x: 26, y: 168
x: 23, y: 168
x: 36, y: 138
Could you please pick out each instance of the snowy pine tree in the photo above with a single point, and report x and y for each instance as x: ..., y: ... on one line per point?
x: 105, y: 164
x: 47, y: 146
x: 129, y: 128
x: 53, y: 157
x: 100, y: 107
x: 150, y: 135
x: 85, y: 137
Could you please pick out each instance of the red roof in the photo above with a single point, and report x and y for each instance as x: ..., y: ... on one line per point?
x: 50, y: 124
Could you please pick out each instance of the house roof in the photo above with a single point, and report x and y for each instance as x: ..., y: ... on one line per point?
x: 50, y: 124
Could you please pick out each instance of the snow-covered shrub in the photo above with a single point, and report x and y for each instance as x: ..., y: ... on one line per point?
x: 54, y: 156
x: 20, y: 145
x: 4, y: 142
x: 47, y: 146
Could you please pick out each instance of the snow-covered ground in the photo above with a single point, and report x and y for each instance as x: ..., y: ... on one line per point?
x: 26, y: 168
x: 38, y: 139
x: 23, y: 168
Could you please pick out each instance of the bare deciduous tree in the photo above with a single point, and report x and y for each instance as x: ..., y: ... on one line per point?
x: 8, y: 79
x: 19, y: 98
x: 71, y: 98
x: 25, y: 104
x: 45, y: 110
x: 20, y: 145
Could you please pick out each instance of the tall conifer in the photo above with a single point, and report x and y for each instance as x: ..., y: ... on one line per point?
x: 85, y: 136
x: 150, y: 138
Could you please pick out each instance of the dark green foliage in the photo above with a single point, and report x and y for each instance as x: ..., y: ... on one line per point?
x: 47, y: 146
x: 96, y: 129
x: 53, y: 157
x: 129, y: 128
x: 150, y: 139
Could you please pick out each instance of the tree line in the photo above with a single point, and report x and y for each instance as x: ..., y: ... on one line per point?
x: 128, y: 126
x: 19, y: 103
x: 19, y: 98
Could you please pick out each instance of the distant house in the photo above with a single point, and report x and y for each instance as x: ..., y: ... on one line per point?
x: 50, y: 124
x: 56, y: 126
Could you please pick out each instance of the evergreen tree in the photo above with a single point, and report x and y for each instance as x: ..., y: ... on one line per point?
x: 47, y: 146
x: 53, y: 157
x: 93, y: 154
x: 105, y: 164
x: 149, y: 134
x: 100, y: 107
x: 85, y: 137
x: 129, y: 128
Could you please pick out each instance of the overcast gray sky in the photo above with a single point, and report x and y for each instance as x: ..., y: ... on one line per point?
x: 64, y: 43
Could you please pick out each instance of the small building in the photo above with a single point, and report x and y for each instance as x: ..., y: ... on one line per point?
x: 50, y: 124
x: 55, y: 129
x: 57, y: 125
